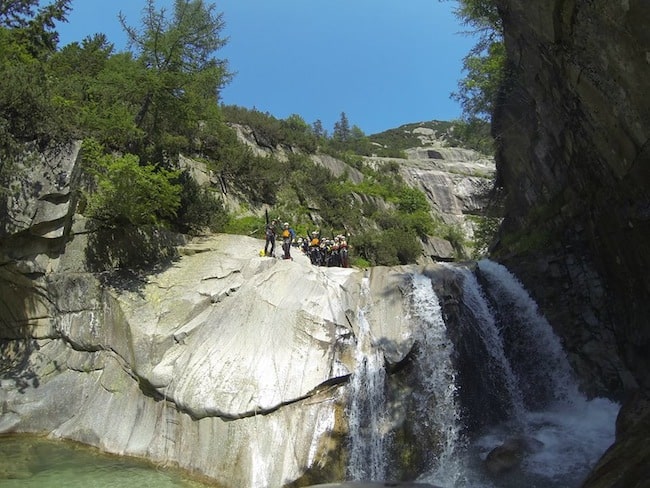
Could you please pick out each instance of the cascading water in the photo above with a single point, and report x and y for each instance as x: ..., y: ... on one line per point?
x: 438, y: 379
x: 490, y: 335
x: 506, y: 358
x: 540, y: 362
x: 367, y: 410
x: 572, y: 430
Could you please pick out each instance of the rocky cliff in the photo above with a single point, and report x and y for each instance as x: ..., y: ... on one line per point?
x: 262, y: 372
x: 572, y: 127
x: 457, y: 182
x: 227, y: 364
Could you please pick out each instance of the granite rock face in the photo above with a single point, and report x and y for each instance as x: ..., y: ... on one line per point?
x: 196, y: 353
x: 573, y: 130
x: 574, y: 161
x: 227, y: 364
x: 457, y: 181
x: 40, y: 199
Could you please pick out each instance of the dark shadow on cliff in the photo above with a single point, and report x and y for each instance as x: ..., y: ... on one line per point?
x: 14, y: 363
x: 125, y: 255
x: 24, y: 307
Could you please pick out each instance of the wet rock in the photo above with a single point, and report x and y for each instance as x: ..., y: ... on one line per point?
x: 152, y: 365
x: 510, y: 454
x: 575, y: 172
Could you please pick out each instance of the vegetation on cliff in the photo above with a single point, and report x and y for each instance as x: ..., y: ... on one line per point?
x: 484, y: 68
x: 139, y: 109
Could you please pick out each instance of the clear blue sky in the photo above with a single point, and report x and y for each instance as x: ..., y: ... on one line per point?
x: 383, y: 62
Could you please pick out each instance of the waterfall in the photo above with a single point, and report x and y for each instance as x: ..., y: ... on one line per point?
x: 573, y: 430
x: 541, y: 364
x: 504, y: 357
x: 487, y: 370
x: 490, y: 334
x: 367, y: 416
x: 438, y: 378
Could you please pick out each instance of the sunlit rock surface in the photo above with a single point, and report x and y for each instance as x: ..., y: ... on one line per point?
x: 225, y: 363
x: 41, y: 196
x: 456, y: 181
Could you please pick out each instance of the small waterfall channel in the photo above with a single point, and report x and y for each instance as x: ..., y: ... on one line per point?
x: 438, y: 380
x: 367, y: 409
x: 494, y: 373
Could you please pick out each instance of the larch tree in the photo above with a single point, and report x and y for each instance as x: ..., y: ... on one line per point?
x: 484, y: 65
x: 182, y: 76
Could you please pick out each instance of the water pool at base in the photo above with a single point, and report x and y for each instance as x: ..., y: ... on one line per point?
x: 34, y: 462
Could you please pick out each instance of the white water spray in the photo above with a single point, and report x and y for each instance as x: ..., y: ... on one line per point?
x: 475, y: 300
x: 573, y: 431
x: 367, y: 410
x: 536, y: 337
x: 439, y: 380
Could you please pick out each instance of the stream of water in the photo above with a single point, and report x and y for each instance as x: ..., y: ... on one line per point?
x: 367, y: 410
x: 502, y: 376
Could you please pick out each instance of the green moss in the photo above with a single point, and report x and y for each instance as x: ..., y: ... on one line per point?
x: 527, y: 240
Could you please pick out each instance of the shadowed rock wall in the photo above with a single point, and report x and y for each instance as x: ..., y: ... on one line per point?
x: 572, y: 127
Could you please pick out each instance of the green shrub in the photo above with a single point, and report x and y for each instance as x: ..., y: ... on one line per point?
x: 387, y: 248
x: 359, y: 262
x: 199, y: 209
x: 127, y: 192
x: 485, y: 231
x: 250, y: 225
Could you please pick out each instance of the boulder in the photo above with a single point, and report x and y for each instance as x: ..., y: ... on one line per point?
x: 438, y: 249
x: 510, y: 454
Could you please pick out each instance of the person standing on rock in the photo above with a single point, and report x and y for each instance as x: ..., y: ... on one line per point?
x: 343, y: 252
x: 270, y: 238
x: 287, y: 238
x: 314, y: 249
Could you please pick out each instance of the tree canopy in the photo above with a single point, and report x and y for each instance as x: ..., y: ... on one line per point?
x: 181, y: 77
x: 484, y: 65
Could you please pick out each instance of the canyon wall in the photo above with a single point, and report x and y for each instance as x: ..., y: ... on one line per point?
x: 572, y: 127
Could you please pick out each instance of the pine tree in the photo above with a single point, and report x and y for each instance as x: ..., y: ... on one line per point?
x: 318, y: 130
x: 184, y: 77
x: 34, y: 23
x: 342, y: 129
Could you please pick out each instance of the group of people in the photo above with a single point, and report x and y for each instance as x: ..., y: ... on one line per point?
x: 326, y: 252
x: 321, y: 251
